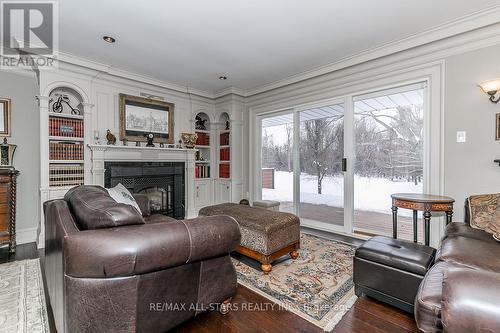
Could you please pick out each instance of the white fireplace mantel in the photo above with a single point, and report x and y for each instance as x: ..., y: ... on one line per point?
x: 104, y: 153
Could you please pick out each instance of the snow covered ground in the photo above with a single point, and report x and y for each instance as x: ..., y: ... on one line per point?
x: 370, y: 194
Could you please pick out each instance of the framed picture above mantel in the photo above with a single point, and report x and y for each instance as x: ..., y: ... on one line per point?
x: 140, y: 116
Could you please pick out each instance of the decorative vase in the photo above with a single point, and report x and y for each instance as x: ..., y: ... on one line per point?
x: 189, y: 139
x: 7, y: 153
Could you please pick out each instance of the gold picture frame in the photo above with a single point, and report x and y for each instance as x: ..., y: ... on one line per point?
x: 140, y: 116
x: 5, y: 113
x: 497, y: 129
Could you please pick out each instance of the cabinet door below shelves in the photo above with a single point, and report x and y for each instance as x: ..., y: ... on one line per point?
x: 202, y: 193
x: 223, y: 191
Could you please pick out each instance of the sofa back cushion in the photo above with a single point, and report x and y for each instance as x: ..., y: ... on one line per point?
x: 94, y: 208
x: 485, y: 212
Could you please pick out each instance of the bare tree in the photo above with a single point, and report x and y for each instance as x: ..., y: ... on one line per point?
x: 317, y: 139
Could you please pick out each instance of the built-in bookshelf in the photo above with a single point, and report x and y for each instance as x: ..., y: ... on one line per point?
x: 66, y: 138
x: 203, y: 145
x: 224, y: 146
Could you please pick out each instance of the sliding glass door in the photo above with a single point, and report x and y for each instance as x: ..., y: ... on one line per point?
x: 389, y: 150
x: 321, y: 150
x: 336, y: 164
x: 277, y: 143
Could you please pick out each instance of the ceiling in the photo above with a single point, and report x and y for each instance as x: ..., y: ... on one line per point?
x: 253, y: 43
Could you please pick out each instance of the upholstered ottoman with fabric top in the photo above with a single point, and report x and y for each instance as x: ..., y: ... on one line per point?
x: 266, y: 235
x: 391, y: 270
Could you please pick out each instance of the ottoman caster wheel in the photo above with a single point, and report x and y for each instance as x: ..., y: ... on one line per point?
x: 266, y: 268
x: 224, y: 307
x: 294, y: 254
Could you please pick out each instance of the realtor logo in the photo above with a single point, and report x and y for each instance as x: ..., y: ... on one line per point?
x: 29, y: 34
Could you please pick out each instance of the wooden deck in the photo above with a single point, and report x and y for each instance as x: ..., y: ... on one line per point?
x: 365, y: 222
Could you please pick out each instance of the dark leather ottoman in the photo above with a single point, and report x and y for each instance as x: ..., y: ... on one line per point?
x: 391, y: 270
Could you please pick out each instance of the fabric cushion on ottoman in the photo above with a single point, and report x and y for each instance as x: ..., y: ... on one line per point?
x: 265, y: 234
x: 267, y: 204
x: 391, y: 270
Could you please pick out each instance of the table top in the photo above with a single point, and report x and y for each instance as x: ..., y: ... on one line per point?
x: 422, y: 198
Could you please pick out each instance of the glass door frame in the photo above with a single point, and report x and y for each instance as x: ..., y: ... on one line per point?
x: 348, y: 198
x: 348, y: 118
x: 433, y: 132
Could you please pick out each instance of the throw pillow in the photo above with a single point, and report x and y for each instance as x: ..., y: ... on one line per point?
x: 483, y: 209
x: 120, y: 194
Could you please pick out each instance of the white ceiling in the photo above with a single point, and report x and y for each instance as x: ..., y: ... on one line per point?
x: 193, y: 42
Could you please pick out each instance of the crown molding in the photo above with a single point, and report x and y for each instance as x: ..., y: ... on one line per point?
x: 110, y: 70
x: 230, y: 91
x: 477, y: 20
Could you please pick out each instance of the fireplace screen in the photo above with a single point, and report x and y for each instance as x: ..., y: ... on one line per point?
x: 162, y: 182
x: 160, y: 199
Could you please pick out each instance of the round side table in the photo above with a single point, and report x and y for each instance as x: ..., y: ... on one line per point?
x: 426, y: 203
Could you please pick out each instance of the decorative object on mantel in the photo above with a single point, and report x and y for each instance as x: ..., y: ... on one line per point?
x: 150, y: 136
x: 139, y: 115
x: 162, y: 145
x: 137, y: 144
x: 5, y: 105
x: 110, y: 137
x: 7, y: 153
x: 491, y: 87
x: 8, y: 181
x: 97, y: 138
x: 200, y: 123
x: 189, y: 139
x: 125, y: 142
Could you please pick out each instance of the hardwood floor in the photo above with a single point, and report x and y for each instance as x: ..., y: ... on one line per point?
x: 367, y: 315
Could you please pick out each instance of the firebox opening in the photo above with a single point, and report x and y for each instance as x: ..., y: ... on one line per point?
x: 162, y: 182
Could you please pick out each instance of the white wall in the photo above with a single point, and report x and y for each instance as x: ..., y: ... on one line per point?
x: 21, y: 89
x: 469, y: 167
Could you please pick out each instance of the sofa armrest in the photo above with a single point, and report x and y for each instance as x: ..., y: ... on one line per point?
x: 143, y: 203
x: 131, y: 250
x: 470, y: 301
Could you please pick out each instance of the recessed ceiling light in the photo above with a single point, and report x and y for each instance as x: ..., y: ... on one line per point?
x: 222, y: 77
x: 109, y: 39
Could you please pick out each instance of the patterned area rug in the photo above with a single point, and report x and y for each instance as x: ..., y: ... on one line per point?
x: 317, y: 286
x: 22, y: 300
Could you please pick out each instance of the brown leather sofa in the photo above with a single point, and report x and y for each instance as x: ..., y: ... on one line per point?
x: 147, y: 276
x: 461, y: 292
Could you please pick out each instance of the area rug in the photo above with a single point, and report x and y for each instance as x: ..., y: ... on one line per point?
x: 317, y: 286
x: 22, y: 300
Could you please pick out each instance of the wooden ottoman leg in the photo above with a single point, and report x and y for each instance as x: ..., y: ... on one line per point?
x: 224, y: 307
x: 266, y: 268
x: 294, y: 254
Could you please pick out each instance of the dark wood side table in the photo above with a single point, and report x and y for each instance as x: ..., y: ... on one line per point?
x: 426, y: 203
x: 8, y: 177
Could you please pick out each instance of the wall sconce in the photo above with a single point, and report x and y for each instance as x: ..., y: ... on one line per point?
x: 491, y: 87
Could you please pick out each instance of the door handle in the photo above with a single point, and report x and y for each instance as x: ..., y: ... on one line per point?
x: 344, y: 164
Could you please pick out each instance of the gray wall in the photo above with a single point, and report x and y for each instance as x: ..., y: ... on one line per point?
x: 21, y: 90
x: 469, y: 167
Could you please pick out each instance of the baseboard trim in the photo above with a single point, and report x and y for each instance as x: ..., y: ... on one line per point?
x: 27, y: 235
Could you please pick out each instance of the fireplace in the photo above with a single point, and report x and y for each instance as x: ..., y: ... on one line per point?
x: 162, y: 182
